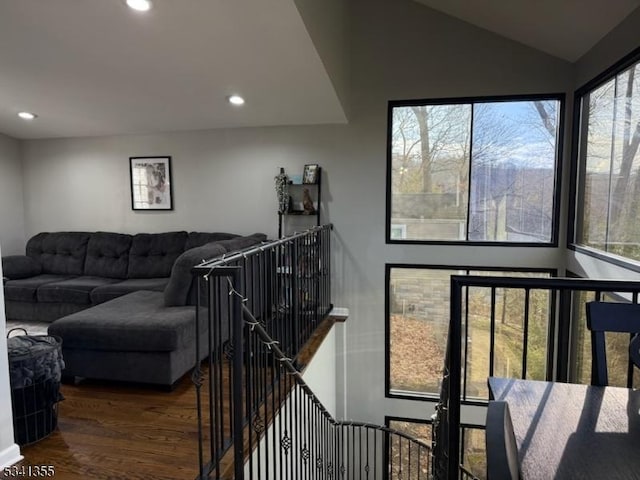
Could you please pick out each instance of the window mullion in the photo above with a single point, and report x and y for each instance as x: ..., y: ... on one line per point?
x: 469, y: 171
x: 611, y: 164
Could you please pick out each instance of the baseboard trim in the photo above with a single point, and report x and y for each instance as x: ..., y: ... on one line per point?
x: 10, y: 455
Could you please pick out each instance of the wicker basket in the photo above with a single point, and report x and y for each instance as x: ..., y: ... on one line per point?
x: 35, y: 371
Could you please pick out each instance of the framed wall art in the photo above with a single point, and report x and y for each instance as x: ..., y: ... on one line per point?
x: 151, y: 183
x: 310, y: 174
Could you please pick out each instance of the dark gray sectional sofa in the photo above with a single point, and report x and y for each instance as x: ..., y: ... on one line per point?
x: 124, y: 305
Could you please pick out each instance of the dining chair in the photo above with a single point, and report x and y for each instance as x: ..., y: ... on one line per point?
x: 502, y: 450
x: 611, y: 317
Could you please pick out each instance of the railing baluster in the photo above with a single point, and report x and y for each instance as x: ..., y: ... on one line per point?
x: 559, y: 292
x: 253, y: 379
x: 525, y: 339
x: 197, y: 380
x: 492, y: 333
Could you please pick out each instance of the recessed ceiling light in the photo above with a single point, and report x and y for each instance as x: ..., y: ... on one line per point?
x: 236, y: 100
x: 139, y: 5
x: 27, y: 115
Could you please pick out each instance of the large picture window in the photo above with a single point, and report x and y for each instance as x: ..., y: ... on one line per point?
x: 473, y: 170
x: 507, y: 336
x: 608, y: 203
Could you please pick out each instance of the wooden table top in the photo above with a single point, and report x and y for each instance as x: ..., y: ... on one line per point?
x: 569, y: 431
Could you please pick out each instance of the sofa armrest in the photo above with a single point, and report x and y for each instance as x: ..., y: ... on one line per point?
x: 19, y: 266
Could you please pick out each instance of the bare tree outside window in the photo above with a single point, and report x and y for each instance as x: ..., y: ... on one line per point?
x: 474, y: 171
x: 609, y: 160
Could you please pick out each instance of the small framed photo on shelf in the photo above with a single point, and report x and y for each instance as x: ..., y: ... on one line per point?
x: 151, y: 183
x: 310, y: 174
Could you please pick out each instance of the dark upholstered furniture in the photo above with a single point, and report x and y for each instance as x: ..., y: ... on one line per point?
x: 124, y: 305
x: 501, y: 446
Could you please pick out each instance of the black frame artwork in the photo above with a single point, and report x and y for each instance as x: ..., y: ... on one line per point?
x: 310, y: 174
x: 151, y: 183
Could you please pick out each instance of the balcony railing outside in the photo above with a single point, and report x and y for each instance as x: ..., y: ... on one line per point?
x: 566, y: 297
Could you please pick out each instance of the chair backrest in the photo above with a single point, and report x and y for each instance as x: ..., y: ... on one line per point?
x: 610, y: 317
x: 502, y: 450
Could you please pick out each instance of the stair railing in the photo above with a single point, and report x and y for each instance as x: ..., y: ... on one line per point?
x: 257, y: 417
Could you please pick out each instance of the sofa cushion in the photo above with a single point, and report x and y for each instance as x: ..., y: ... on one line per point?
x: 177, y: 290
x: 105, y: 293
x: 108, y: 255
x: 20, y: 266
x: 152, y: 254
x: 197, y: 239
x: 24, y: 290
x: 240, y: 243
x: 136, y: 322
x: 74, y: 290
x: 60, y: 253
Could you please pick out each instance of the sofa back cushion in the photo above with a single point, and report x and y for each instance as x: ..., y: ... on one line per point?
x: 152, y: 254
x: 60, y: 253
x: 182, y: 288
x: 108, y: 255
x: 240, y: 243
x: 179, y: 289
x: 197, y: 239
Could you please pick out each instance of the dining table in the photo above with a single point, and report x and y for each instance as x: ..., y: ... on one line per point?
x: 572, y: 431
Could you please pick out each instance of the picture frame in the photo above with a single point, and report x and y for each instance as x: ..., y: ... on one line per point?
x: 310, y: 174
x: 151, y: 183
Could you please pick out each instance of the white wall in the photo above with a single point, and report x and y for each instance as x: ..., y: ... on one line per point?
x: 223, y: 180
x: 9, y: 451
x: 321, y: 372
x: 11, y: 202
x: 319, y: 375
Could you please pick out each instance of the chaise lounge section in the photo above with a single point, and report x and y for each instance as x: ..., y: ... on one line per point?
x: 125, y: 314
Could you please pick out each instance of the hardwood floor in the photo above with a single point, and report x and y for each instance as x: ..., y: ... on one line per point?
x: 109, y: 431
x: 112, y: 431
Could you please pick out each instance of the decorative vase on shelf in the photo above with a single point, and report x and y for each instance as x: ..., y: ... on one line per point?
x: 307, y: 203
x: 282, y: 191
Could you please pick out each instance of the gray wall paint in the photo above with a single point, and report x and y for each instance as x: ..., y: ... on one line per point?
x: 327, y: 25
x: 223, y: 180
x: 615, y: 45
x: 11, y: 198
x: 402, y: 50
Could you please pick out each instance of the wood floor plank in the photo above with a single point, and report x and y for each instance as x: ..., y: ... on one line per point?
x: 110, y: 431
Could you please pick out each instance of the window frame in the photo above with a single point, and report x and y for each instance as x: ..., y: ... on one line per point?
x: 434, y: 397
x: 577, y: 167
x: 557, y: 178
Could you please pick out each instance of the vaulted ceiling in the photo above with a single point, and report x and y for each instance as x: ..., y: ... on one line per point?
x: 566, y: 29
x: 94, y: 67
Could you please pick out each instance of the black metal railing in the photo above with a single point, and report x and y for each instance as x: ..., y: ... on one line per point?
x: 257, y: 417
x: 286, y: 286
x: 564, y: 299
x: 304, y: 441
